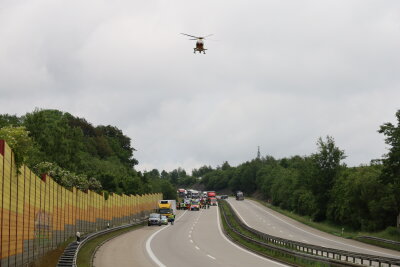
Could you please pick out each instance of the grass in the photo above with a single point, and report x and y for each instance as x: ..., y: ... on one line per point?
x: 86, y: 252
x: 270, y: 253
x: 50, y: 258
x: 390, y: 233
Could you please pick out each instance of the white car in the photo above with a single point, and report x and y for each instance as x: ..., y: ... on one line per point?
x: 154, y: 219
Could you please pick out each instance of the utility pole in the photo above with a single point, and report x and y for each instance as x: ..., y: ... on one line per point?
x: 258, y: 153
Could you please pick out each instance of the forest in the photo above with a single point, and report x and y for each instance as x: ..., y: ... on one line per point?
x: 320, y: 185
x: 76, y: 153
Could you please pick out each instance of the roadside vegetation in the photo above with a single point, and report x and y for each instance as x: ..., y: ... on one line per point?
x: 77, y: 154
x: 86, y: 252
x: 390, y: 233
x: 52, y: 256
x: 321, y: 188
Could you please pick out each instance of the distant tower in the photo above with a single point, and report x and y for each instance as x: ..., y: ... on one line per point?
x: 258, y: 153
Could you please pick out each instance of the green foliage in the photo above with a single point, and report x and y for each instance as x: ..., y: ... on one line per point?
x: 201, y: 171
x: 67, y: 178
x: 9, y: 120
x: 318, y: 186
x: 19, y: 141
x: 391, y: 163
x: 84, y: 155
x: 327, y: 165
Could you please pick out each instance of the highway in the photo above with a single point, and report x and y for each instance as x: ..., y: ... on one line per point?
x: 194, y: 240
x: 268, y: 221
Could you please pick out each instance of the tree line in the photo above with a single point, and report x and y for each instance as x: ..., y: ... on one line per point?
x: 76, y: 153
x: 320, y: 185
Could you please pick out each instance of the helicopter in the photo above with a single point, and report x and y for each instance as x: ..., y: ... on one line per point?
x: 199, y: 43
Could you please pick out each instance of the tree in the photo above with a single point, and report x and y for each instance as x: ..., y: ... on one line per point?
x: 58, y: 141
x: 19, y: 141
x: 391, y: 162
x: 201, y: 171
x: 328, y: 164
x: 9, y: 120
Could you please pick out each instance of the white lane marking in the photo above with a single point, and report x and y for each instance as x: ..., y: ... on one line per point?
x: 211, y: 257
x: 316, y: 234
x: 240, y: 216
x: 190, y: 236
x: 280, y: 231
x: 242, y: 249
x: 197, y: 247
x: 191, y: 241
x: 148, y: 242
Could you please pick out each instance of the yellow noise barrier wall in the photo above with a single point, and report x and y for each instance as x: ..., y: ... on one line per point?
x: 36, y: 215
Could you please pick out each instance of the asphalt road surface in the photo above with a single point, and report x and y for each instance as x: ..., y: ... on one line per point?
x: 268, y: 221
x: 194, y: 240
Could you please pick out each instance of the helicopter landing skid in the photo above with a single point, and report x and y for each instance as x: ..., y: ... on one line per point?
x: 195, y: 50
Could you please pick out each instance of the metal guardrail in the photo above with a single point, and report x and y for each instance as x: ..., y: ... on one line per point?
x: 70, y: 254
x: 311, y: 252
x: 387, y: 241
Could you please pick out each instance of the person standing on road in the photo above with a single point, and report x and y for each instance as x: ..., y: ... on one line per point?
x: 172, y: 218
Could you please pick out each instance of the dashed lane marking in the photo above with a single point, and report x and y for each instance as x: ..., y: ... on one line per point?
x: 148, y: 247
x: 211, y: 257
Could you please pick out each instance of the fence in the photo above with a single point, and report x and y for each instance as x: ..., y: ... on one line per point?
x: 37, y: 214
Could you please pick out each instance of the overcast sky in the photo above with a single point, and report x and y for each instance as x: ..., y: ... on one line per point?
x: 278, y: 74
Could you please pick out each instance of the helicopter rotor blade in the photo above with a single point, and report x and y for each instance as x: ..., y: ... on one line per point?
x: 207, y: 36
x: 190, y: 35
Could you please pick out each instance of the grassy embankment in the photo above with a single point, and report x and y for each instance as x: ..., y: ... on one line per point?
x: 390, y: 233
x: 273, y: 254
x: 51, y: 257
x: 86, y: 252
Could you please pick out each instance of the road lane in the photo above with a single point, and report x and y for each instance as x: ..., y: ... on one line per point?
x: 126, y: 250
x: 268, y: 221
x: 197, y: 241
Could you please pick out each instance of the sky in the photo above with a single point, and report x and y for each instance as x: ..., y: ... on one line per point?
x: 278, y: 74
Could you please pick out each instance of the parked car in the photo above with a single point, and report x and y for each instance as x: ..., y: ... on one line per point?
x: 224, y: 197
x: 164, y: 220
x: 154, y: 219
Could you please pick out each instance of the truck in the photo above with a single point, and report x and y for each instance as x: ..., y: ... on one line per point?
x: 239, y: 195
x: 181, y: 193
x: 213, y: 201
x: 195, y: 194
x: 167, y: 207
x: 211, y: 194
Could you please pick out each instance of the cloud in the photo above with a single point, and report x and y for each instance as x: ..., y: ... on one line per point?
x: 276, y: 75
